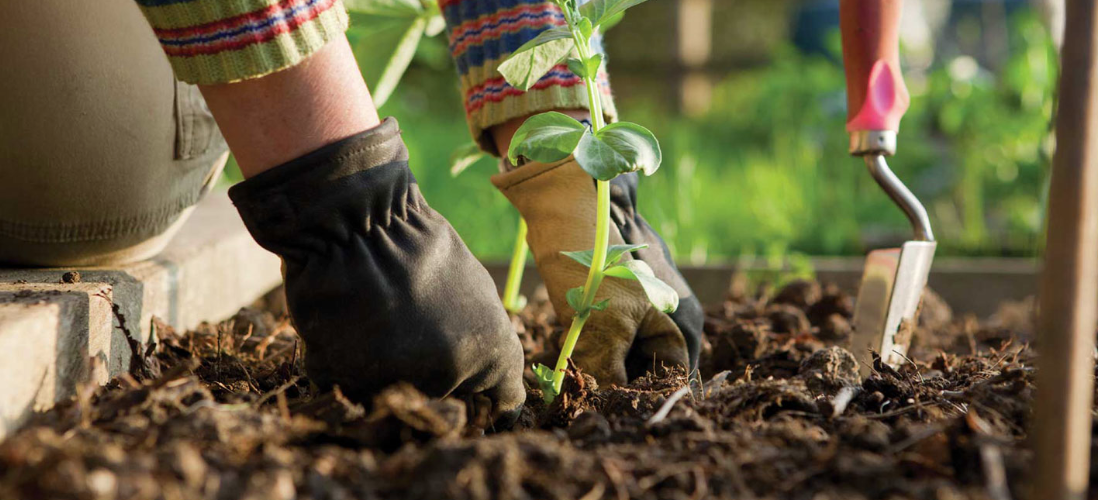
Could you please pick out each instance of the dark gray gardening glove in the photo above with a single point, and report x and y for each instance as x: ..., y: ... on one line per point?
x: 378, y: 284
x: 630, y: 337
x: 635, y: 231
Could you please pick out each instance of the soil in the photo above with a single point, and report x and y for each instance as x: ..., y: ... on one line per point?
x: 225, y: 412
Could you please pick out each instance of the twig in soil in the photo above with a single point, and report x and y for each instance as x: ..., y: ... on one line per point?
x: 901, y: 411
x: 176, y: 372
x: 251, y: 328
x: 596, y: 492
x: 283, y: 407
x: 701, y: 485
x: 261, y: 348
x: 1002, y: 418
x: 917, y: 372
x: 915, y: 438
x: 666, y: 408
x: 284, y: 350
x: 714, y: 383
x: 646, y: 483
x: 616, y: 481
x: 795, y: 481
x: 991, y: 457
x: 747, y: 372
x: 279, y: 390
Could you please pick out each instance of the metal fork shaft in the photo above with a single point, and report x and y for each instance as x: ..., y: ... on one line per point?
x: 901, y: 195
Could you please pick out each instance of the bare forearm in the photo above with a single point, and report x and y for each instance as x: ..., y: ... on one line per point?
x: 270, y: 120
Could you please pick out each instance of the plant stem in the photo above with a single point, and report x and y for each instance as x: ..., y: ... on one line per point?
x: 514, y: 273
x: 594, y: 279
x: 602, y: 226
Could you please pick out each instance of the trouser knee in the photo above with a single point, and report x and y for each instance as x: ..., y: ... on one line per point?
x: 102, y: 151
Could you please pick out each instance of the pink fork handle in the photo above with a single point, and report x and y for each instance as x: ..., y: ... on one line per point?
x: 885, y: 100
x: 876, y: 95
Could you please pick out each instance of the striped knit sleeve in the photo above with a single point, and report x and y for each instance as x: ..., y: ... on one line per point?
x: 482, y: 34
x: 221, y: 41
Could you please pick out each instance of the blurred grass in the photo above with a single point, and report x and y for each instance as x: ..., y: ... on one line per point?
x: 765, y: 171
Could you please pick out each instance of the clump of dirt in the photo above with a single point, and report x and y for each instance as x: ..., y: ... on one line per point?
x: 779, y: 410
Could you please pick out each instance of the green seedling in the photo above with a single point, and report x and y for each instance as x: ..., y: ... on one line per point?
x: 512, y: 300
x: 423, y: 19
x: 603, y: 151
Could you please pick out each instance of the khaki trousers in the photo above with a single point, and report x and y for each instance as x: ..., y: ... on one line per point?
x: 102, y: 152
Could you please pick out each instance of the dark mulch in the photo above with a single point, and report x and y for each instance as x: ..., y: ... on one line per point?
x: 226, y: 412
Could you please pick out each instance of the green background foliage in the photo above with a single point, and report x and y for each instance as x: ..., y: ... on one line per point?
x: 764, y: 171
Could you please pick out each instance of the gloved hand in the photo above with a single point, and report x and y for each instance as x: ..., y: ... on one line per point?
x: 631, y: 336
x: 378, y: 284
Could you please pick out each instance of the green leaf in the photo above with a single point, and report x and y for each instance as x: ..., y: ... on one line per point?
x: 387, y: 8
x: 586, y: 28
x: 398, y: 63
x: 600, y: 306
x: 635, y: 143
x: 576, y: 66
x: 463, y: 157
x: 547, y: 137
x: 544, y: 375
x: 549, y: 35
x: 584, y: 257
x: 575, y: 298
x: 614, y: 253
x: 660, y: 294
x: 535, y: 58
x: 602, y: 11
x: 611, y: 21
x: 617, y: 149
x: 598, y: 159
x: 592, y: 64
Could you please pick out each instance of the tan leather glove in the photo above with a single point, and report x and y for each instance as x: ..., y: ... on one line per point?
x: 631, y: 336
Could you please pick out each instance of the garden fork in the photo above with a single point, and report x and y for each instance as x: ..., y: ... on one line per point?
x: 894, y: 278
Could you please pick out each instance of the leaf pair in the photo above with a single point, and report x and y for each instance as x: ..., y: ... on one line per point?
x: 613, y: 254
x: 587, y: 67
x: 660, y: 294
x: 615, y: 149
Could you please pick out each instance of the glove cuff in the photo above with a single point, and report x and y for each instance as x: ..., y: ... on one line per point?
x: 355, y: 182
x: 558, y: 201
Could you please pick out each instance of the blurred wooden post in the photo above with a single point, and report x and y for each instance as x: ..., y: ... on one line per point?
x: 1069, y: 285
x: 694, y: 36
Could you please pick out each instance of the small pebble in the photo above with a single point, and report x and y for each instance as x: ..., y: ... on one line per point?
x: 71, y: 277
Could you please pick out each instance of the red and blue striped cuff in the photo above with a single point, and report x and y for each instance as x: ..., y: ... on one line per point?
x: 219, y: 41
x: 482, y: 34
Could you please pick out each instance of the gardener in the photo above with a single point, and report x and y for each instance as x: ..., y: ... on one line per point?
x: 107, y: 154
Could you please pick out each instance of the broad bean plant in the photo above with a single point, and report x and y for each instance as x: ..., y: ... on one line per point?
x: 602, y: 150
